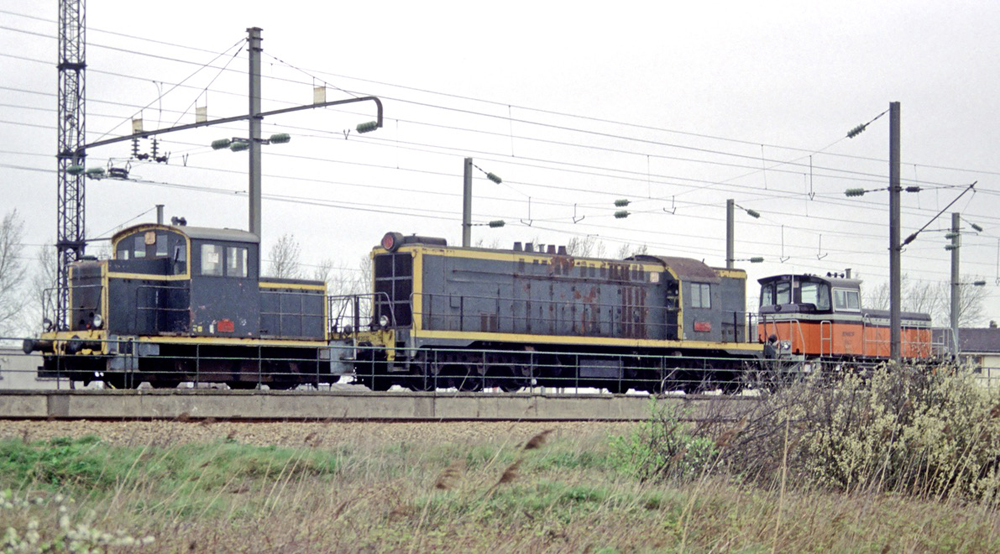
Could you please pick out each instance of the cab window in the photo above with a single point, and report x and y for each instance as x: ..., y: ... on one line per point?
x: 211, y: 260
x: 783, y: 293
x: 844, y: 299
x: 236, y: 261
x: 701, y: 295
x: 767, y: 295
x: 161, y: 245
x: 817, y: 294
x: 139, y: 246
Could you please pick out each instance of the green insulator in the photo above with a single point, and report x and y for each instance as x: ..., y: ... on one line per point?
x: 74, y: 169
x: 95, y: 172
x: 497, y: 223
x: 621, y: 202
x: 856, y: 131
x: 754, y: 214
x: 239, y: 146
x: 493, y: 177
x: 280, y: 138
x: 855, y: 192
x: 220, y: 144
x: 978, y: 228
x: 367, y: 127
x: 621, y: 214
x: 757, y: 260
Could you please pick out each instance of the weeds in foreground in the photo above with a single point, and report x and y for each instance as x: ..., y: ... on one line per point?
x: 928, y: 434
x: 768, y: 479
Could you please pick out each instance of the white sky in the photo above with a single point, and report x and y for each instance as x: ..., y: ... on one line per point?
x: 666, y: 104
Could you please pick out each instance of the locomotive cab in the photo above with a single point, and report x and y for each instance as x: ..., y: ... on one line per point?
x: 183, y: 281
x: 822, y: 317
x: 178, y: 303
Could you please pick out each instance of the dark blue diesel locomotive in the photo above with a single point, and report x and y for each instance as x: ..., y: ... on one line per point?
x: 473, y: 317
x: 178, y: 303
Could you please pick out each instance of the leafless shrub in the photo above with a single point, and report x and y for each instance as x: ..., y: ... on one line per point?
x: 931, y: 433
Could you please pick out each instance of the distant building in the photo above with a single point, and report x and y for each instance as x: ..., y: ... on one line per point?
x: 18, y: 372
x: 977, y: 347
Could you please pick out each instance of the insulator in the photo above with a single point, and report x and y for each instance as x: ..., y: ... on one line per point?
x: 754, y: 214
x: 621, y: 202
x: 621, y: 214
x: 494, y: 177
x: 74, y: 169
x: 856, y: 131
x: 977, y: 227
x: 367, y: 127
x: 950, y: 236
x: 95, y: 172
x: 220, y: 144
x: 280, y: 138
x: 979, y: 284
x: 757, y: 260
x: 855, y: 192
x: 913, y: 189
x: 239, y: 146
x: 951, y: 247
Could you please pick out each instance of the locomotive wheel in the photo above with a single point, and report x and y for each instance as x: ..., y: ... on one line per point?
x: 615, y: 387
x: 504, y: 378
x: 122, y: 381
x: 417, y: 383
x: 471, y: 383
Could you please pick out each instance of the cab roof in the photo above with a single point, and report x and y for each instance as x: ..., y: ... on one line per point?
x: 832, y: 281
x: 195, y: 233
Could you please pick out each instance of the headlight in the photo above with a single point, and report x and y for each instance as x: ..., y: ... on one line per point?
x: 97, y: 321
x: 383, y: 321
x: 786, y: 345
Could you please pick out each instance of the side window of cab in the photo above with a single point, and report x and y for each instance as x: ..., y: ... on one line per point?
x: 211, y: 259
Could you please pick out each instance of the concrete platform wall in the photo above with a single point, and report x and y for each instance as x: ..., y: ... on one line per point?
x: 295, y: 405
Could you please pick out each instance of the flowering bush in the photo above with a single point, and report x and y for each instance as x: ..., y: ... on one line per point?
x: 64, y: 536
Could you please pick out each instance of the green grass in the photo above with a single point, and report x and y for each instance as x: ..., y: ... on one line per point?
x: 565, y: 495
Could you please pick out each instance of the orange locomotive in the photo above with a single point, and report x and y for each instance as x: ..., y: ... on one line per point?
x: 821, y: 318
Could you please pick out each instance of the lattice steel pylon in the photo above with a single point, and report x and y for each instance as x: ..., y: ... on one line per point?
x: 70, y: 237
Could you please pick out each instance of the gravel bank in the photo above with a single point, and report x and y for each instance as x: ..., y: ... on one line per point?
x: 299, y: 434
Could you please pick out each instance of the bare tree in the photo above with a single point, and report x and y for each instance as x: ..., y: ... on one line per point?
x: 581, y: 247
x: 12, y: 271
x: 934, y: 299
x: 41, y: 304
x: 284, y: 258
x: 971, y: 309
x: 493, y: 244
x: 626, y: 250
